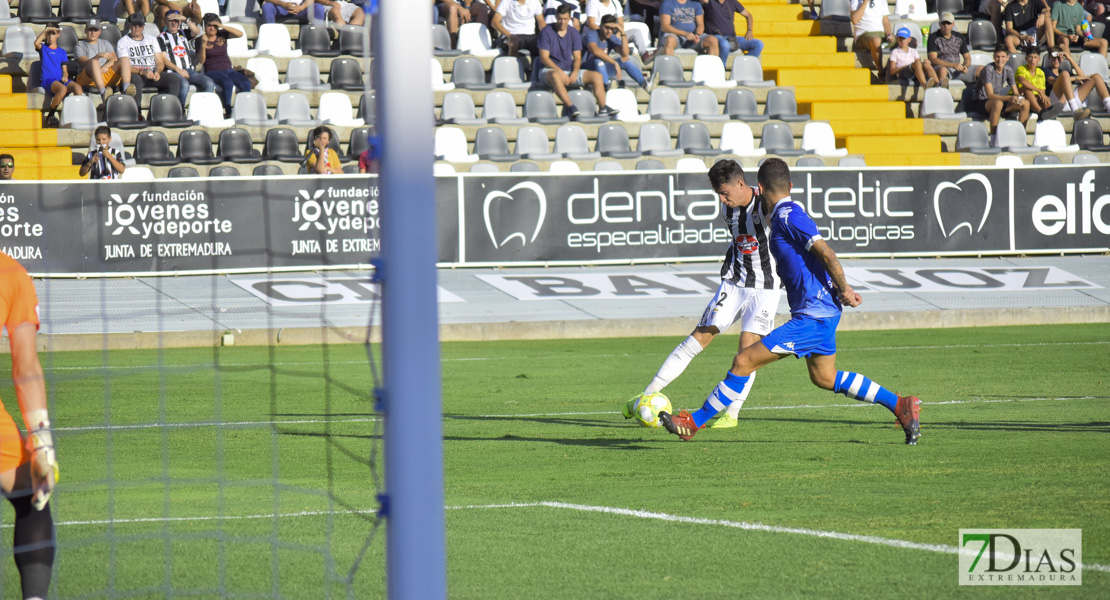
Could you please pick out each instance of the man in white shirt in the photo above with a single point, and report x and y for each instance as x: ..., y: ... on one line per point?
x: 520, y: 21
x: 142, y: 63
x: 871, y: 23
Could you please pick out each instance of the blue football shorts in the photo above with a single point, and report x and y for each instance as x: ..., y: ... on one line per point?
x: 803, y: 336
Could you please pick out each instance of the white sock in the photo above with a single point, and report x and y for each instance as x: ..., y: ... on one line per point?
x: 734, y: 408
x: 1074, y: 104
x: 1106, y: 103
x: 675, y: 364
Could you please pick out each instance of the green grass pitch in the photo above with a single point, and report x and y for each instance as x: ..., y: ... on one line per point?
x: 1015, y: 434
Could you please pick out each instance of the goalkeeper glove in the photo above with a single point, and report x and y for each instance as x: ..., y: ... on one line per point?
x: 44, y: 463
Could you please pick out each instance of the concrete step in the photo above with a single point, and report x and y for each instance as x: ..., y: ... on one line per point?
x: 893, y: 144
x: 947, y: 159
x: 39, y: 157
x: 20, y: 120
x: 870, y: 111
x: 28, y: 173
x: 32, y: 138
x: 5, y: 84
x: 844, y: 128
x: 840, y: 93
x: 774, y: 13
x: 820, y: 77
x: 773, y: 43
x: 777, y: 60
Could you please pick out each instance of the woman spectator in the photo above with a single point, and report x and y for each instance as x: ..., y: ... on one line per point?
x: 211, y: 51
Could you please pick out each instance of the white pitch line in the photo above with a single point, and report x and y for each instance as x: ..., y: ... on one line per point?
x: 640, y: 514
x: 209, y: 424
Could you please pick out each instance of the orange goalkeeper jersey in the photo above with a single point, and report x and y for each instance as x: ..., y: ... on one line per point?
x: 18, y: 305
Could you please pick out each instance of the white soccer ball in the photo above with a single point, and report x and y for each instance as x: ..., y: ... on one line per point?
x: 647, y: 409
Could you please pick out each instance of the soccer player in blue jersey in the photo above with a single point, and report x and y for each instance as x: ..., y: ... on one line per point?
x: 816, y: 289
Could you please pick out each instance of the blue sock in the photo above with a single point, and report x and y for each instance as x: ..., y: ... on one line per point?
x: 858, y: 387
x: 726, y: 392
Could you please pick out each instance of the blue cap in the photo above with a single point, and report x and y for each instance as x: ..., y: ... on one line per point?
x: 904, y: 33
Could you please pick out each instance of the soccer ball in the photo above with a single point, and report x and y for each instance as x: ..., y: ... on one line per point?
x: 647, y: 406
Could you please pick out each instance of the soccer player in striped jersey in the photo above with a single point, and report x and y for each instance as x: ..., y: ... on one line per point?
x: 749, y: 290
x: 28, y: 468
x: 816, y: 289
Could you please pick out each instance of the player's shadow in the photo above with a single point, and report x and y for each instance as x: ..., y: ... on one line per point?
x: 545, y: 420
x: 326, y: 415
x: 602, y: 443
x: 1023, y: 426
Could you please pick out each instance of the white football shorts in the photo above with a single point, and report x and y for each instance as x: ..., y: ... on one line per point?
x: 753, y: 308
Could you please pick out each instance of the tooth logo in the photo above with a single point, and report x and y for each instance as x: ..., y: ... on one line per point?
x: 123, y: 214
x: 487, y: 208
x: 960, y: 205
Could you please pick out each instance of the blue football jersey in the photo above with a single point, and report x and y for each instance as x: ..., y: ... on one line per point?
x: 809, y: 290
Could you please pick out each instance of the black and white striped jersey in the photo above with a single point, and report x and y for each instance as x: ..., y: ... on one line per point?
x: 748, y: 262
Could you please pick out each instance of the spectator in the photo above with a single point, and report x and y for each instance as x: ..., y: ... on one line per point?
x: 97, y: 59
x: 367, y: 162
x: 948, y: 51
x: 551, y: 6
x: 905, y: 63
x: 1023, y: 23
x: 339, y: 12
x: 1031, y: 81
x: 1066, y: 17
x: 719, y: 22
x: 993, y: 9
x: 190, y: 8
x: 297, y: 9
x: 55, y: 73
x: 520, y: 21
x: 7, y: 167
x: 683, y: 26
x: 211, y: 51
x: 103, y: 161
x: 989, y: 97
x: 648, y: 10
x: 174, y: 44
x: 130, y: 7
x: 143, y: 64
x: 560, y: 57
x: 871, y: 27
x: 320, y: 159
x: 1061, y: 81
x: 596, y: 9
x: 609, y: 38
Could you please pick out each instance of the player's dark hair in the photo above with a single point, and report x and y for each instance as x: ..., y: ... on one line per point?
x: 774, y: 176
x: 102, y: 129
x: 725, y: 171
x: 607, y: 19
x: 564, y: 9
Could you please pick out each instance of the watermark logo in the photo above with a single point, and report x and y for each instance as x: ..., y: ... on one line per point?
x: 1021, y: 557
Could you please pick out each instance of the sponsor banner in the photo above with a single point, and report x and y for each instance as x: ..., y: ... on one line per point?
x: 292, y: 290
x: 631, y: 286
x: 1070, y: 209
x: 1022, y: 557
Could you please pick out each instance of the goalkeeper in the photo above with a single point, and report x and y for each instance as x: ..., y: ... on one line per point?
x: 28, y: 469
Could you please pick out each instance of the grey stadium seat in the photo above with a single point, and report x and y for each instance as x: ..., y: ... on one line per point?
x: 490, y: 143
x: 693, y: 138
x: 655, y: 140
x: 740, y: 104
x: 532, y: 143
x: 539, y: 107
x: 612, y: 141
x: 587, y: 107
x: 665, y: 105
x: 458, y: 109
x: 779, y: 140
x: 571, y: 142
x: 972, y: 136
x: 500, y: 108
x: 781, y: 105
x: 670, y: 72
x: 702, y: 105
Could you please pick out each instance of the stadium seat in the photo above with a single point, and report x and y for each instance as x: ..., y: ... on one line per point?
x: 612, y: 142
x: 76, y: 11
x: 450, y: 145
x: 467, y: 73
x: 508, y: 72
x: 152, y: 148
x: 665, y: 105
x: 352, y: 40
x: 110, y: 33
x: 68, y: 40
x: 524, y: 167
x: 539, y: 107
x: 345, y: 74
x: 335, y: 109
x: 1009, y: 160
x: 165, y: 111
x: 250, y: 110
x: 6, y: 18
x: 304, y: 74
x: 740, y: 104
x: 938, y: 104
x: 693, y: 138
x: 265, y: 71
x: 236, y: 145
x: 852, y: 161
x: 1047, y: 159
x: 748, y: 71
x: 1012, y: 138
x: 273, y: 40
x: 458, y: 109
x: 809, y: 162
x: 702, y: 105
x: 438, y: 84
x: 194, y: 145
x: 563, y: 166
x: 982, y: 35
x: 333, y: 143
x: 777, y: 139
x: 19, y: 42
x: 690, y: 164
x: 781, y: 105
x: 650, y: 164
x: 1093, y: 62
x: 956, y: 7
x: 571, y: 143
x: 500, y: 108
x: 607, y: 165
x: 444, y: 169
x: 1050, y: 135
x: 367, y: 108
x: 972, y: 137
x: 587, y: 107
x: 1086, y: 133
x: 1085, y: 158
x: 484, y: 168
x: 491, y: 143
x: 710, y: 71
x: 137, y: 174
x: 358, y: 142
x: 237, y: 47
x: 316, y: 41
x: 670, y: 72
x: 627, y: 106
x: 737, y: 138
x: 532, y: 143
x: 914, y: 10
x: 270, y: 171
x: 224, y: 171
x: 441, y: 41
x: 78, y: 112
x: 242, y: 11
x: 915, y: 32
x: 474, y: 39
x: 836, y: 10
x: 183, y: 172
x: 282, y: 145
x: 293, y: 110
x: 121, y: 112
x: 39, y: 12
x: 818, y: 138
x: 655, y: 140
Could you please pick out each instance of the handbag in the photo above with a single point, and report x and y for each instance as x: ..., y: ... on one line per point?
x: 249, y: 75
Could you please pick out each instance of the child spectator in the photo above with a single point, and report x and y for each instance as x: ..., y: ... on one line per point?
x: 103, y: 162
x: 55, y: 73
x: 320, y: 159
x: 905, y: 63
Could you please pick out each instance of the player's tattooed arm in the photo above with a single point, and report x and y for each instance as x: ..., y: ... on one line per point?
x: 848, y: 296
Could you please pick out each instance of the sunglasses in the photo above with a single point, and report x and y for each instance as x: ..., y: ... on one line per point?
x: 7, y: 166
